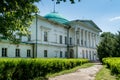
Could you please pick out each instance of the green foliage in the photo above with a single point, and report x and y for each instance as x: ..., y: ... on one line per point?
x: 58, y: 1
x: 105, y: 74
x: 109, y: 45
x: 113, y: 64
x: 25, y: 69
x: 16, y: 17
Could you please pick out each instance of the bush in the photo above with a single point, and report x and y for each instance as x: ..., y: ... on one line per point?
x: 25, y: 69
x: 113, y: 64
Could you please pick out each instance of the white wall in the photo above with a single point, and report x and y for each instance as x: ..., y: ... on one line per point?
x: 90, y: 51
x: 52, y: 51
x: 12, y: 47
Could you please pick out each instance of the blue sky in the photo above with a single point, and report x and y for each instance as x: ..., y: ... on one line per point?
x: 105, y: 13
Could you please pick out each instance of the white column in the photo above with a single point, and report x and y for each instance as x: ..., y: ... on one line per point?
x: 91, y: 39
x: 87, y: 40
x: 80, y: 36
x: 75, y: 38
x: 95, y: 40
x: 83, y: 37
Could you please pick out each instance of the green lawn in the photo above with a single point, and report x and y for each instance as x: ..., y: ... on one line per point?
x: 105, y: 74
x: 66, y: 71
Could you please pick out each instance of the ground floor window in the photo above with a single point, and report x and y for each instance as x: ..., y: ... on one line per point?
x: 66, y: 55
x: 90, y: 55
x: 4, y: 52
x: 17, y: 52
x: 45, y: 53
x: 86, y: 54
x: 60, y: 54
x: 83, y: 55
x: 28, y: 53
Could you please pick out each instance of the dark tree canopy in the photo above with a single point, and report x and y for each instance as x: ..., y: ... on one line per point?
x: 109, y: 45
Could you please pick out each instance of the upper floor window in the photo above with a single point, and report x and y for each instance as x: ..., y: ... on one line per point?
x: 45, y: 53
x: 60, y: 39
x: 29, y: 37
x: 4, y: 52
x: 82, y: 42
x: 17, y: 52
x: 65, y: 40
x: 28, y: 53
x: 45, y: 36
x: 77, y: 41
x: 70, y: 41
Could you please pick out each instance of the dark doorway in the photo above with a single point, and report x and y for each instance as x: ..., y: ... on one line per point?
x: 71, y: 53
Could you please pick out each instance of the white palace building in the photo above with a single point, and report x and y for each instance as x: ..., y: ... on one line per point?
x: 53, y: 36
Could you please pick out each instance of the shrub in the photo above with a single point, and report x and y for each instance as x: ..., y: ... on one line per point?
x: 25, y: 69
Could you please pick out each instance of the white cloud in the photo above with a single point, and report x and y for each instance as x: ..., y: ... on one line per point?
x: 115, y: 18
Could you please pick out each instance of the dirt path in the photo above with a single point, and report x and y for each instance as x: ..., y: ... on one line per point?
x: 81, y: 74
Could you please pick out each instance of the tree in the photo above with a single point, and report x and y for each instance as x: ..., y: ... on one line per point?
x: 58, y: 1
x: 106, y: 46
x: 117, y: 45
x: 109, y: 45
x: 16, y: 16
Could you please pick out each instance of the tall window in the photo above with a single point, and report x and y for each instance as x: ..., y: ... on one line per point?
x: 17, y: 52
x: 70, y: 41
x: 4, y: 52
x: 83, y: 55
x: 77, y: 41
x: 66, y: 54
x: 45, y: 36
x: 45, y: 53
x: 90, y: 55
x: 65, y: 40
x: 60, y: 39
x: 28, y: 53
x: 86, y: 54
x: 29, y: 37
x: 82, y: 42
x: 60, y: 54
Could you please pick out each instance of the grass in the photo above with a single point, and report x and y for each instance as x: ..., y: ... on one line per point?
x: 66, y: 71
x: 105, y: 74
x: 70, y: 70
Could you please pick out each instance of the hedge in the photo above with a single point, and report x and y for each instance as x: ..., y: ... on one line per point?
x: 113, y: 64
x: 27, y: 69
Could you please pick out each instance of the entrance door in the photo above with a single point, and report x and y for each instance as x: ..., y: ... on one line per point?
x: 71, y: 53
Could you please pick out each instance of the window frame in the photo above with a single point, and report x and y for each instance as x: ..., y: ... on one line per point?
x: 45, y: 36
x: 28, y: 53
x: 17, y: 52
x: 65, y: 39
x: 45, y: 53
x: 4, y: 52
x: 60, y: 39
x: 61, y: 54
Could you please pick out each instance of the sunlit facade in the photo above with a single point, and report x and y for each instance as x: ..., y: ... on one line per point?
x: 56, y: 37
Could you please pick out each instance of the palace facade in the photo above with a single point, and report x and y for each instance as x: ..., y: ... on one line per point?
x: 54, y: 36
